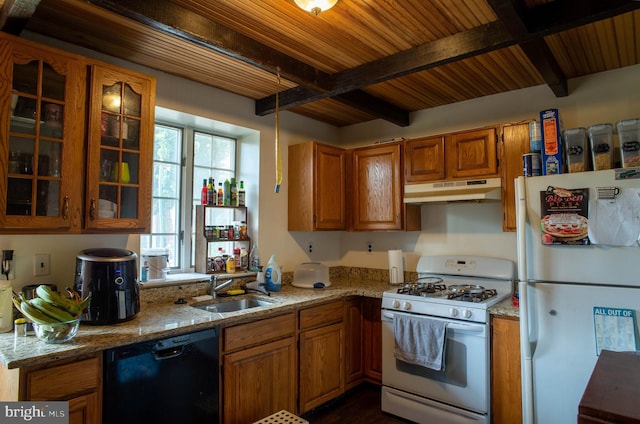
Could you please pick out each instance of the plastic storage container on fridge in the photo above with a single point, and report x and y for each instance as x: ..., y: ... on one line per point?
x: 575, y: 140
x: 601, y: 140
x: 629, y: 139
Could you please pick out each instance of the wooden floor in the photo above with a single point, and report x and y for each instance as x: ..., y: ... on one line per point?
x: 359, y: 405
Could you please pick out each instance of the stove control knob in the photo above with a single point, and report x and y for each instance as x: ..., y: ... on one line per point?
x: 407, y: 306
x: 396, y: 304
x: 466, y: 313
x: 453, y: 312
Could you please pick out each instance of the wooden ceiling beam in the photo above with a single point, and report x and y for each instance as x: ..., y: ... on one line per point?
x: 169, y: 18
x: 15, y: 14
x: 547, y: 19
x: 512, y: 13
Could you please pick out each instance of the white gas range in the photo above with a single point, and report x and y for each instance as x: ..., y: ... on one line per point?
x: 456, y: 291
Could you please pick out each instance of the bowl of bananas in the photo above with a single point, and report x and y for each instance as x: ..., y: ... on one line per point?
x: 55, y: 317
x: 56, y: 332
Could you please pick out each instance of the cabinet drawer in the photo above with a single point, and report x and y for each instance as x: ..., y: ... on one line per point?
x: 64, y: 381
x: 243, y: 335
x: 321, y: 315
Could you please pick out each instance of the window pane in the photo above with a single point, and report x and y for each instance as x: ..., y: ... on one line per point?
x: 166, y: 144
x: 166, y: 180
x: 165, y: 216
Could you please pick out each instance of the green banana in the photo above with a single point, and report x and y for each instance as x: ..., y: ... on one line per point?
x: 50, y: 309
x: 54, y: 298
x: 32, y: 313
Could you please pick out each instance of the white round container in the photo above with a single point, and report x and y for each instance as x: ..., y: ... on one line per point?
x: 158, y: 261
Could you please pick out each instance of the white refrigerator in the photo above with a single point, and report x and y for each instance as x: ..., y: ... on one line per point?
x: 575, y: 299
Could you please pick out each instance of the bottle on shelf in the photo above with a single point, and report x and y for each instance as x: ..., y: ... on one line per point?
x: 236, y: 257
x: 231, y: 264
x: 244, y: 259
x: 254, y: 259
x: 227, y: 193
x: 211, y: 192
x: 204, y: 193
x: 241, y: 194
x: 220, y: 195
x: 233, y: 188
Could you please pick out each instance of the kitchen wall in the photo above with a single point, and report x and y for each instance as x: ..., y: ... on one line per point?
x: 465, y: 228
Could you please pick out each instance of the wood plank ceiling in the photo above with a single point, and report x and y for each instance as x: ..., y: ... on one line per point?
x: 359, y: 61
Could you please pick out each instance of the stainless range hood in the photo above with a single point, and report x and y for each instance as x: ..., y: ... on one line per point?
x: 453, y: 191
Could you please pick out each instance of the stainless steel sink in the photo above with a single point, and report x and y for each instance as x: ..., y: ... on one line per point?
x: 222, y: 306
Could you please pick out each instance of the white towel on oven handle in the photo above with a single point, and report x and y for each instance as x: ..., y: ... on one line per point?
x: 420, y: 341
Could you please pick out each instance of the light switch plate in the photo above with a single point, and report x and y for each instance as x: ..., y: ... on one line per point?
x: 41, y: 264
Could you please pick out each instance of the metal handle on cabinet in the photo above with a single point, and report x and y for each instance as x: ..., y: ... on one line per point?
x: 92, y: 210
x: 65, y: 208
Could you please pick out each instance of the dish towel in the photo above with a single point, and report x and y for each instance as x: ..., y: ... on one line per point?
x: 420, y: 341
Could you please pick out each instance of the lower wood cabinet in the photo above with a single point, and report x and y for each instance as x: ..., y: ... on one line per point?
x: 321, y: 354
x: 78, y: 381
x: 506, y: 381
x: 259, y: 369
x: 363, y: 326
x: 371, y: 309
x: 259, y: 381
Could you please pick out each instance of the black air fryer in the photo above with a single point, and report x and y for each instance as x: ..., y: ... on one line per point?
x: 110, y: 276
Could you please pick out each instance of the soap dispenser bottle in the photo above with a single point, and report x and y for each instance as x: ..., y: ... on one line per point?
x: 272, y: 275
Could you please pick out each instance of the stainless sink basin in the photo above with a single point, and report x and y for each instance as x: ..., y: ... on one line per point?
x: 222, y: 306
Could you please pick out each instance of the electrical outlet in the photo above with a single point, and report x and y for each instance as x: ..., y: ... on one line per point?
x: 369, y: 247
x: 41, y: 264
x: 309, y: 247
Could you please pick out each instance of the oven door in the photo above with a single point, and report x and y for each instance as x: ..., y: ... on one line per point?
x: 463, y: 383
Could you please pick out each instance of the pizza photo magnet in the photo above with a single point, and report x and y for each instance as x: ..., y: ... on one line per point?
x: 565, y: 216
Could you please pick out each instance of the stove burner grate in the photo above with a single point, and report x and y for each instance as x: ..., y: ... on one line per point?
x: 470, y: 293
x: 423, y: 287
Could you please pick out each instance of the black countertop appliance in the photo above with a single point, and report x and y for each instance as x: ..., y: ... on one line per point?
x: 110, y: 276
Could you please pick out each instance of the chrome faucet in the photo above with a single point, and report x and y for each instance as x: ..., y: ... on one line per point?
x: 215, y: 287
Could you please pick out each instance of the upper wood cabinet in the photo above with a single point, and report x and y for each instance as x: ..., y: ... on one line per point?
x: 76, y: 142
x: 120, y: 153
x: 317, y: 178
x: 515, y: 143
x: 42, y: 94
x: 376, y: 189
x: 424, y: 159
x: 460, y: 155
x: 472, y: 153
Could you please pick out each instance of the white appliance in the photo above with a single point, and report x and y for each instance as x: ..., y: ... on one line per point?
x: 560, y: 285
x: 456, y: 290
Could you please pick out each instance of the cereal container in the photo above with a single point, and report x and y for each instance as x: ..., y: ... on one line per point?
x: 575, y: 141
x: 601, y: 140
x: 629, y: 138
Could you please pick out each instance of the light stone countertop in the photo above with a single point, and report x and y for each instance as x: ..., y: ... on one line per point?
x: 160, y: 317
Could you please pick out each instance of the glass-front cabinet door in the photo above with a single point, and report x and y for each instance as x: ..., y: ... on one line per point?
x: 120, y: 150
x: 42, y: 121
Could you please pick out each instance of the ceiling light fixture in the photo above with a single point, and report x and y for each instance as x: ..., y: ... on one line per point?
x: 316, y: 6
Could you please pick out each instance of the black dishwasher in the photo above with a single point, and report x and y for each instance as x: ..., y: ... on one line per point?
x: 173, y: 380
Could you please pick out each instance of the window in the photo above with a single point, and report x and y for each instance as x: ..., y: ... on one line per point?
x: 183, y: 157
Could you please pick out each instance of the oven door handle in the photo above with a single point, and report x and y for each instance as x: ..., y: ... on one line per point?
x: 472, y: 327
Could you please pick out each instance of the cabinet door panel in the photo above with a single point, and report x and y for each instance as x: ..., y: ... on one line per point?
x: 376, y: 194
x: 321, y: 365
x: 120, y: 150
x: 472, y: 153
x: 330, y: 188
x: 259, y: 382
x: 515, y: 143
x: 41, y: 186
x: 424, y: 159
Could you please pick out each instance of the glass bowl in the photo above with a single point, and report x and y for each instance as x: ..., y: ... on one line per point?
x: 56, y: 332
